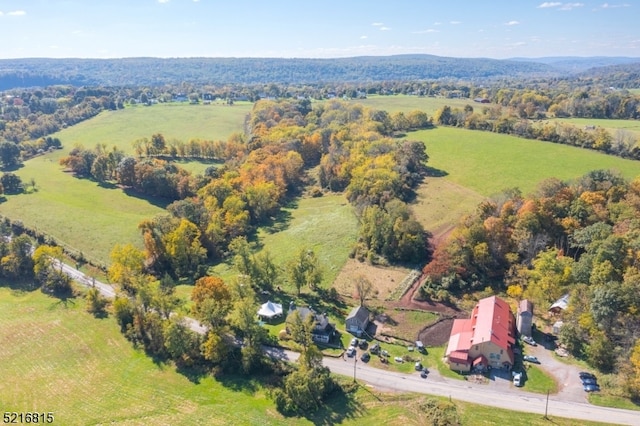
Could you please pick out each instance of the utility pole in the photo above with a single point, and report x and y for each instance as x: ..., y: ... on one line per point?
x: 546, y: 407
x: 355, y: 361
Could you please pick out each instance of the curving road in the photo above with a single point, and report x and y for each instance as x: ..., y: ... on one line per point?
x: 516, y: 400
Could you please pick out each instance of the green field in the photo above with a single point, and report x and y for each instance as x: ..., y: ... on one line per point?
x: 90, y: 218
x: 487, y: 163
x: 632, y: 126
x: 408, y: 103
x: 327, y: 225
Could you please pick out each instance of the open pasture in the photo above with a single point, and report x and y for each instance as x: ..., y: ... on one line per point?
x: 631, y: 126
x: 408, y: 103
x: 487, y: 163
x: 91, y: 218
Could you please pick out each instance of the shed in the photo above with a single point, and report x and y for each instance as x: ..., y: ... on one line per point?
x: 357, y: 320
x: 524, y: 320
x: 560, y: 304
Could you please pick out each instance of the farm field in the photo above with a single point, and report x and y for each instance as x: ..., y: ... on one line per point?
x: 487, y: 163
x: 91, y: 218
x: 89, y: 374
x: 408, y: 103
x: 632, y: 126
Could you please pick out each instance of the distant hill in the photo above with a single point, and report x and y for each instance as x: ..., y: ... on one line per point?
x: 577, y: 64
x: 156, y: 71
x: 32, y: 72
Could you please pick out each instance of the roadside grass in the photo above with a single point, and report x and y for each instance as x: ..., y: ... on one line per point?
x: 539, y: 381
x: 606, y: 400
x: 88, y: 217
x: 408, y: 103
x: 488, y: 163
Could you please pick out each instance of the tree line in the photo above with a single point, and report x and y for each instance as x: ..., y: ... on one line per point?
x: 579, y: 238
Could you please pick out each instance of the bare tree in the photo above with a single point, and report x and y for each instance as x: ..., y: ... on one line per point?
x: 364, y: 288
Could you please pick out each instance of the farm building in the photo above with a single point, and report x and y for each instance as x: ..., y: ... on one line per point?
x: 484, y: 340
x: 560, y: 304
x: 357, y: 320
x: 524, y: 320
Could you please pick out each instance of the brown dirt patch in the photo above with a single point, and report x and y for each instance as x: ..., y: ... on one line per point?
x: 384, y: 279
x: 436, y: 334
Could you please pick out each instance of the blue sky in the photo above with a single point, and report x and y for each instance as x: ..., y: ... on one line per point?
x: 317, y: 29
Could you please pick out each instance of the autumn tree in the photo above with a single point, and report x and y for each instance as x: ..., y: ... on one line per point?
x: 211, y: 301
x: 126, y: 262
x: 363, y: 288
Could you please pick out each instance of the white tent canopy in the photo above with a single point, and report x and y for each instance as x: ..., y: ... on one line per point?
x: 270, y: 310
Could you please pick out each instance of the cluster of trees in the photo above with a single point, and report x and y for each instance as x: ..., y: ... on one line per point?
x: 153, y: 177
x: 260, y: 175
x: 580, y: 238
x: 506, y: 120
x: 233, y: 339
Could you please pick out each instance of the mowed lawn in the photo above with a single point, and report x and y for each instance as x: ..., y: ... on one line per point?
x: 487, y: 163
x: 91, y: 218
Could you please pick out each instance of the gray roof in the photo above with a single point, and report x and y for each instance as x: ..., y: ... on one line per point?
x: 360, y: 313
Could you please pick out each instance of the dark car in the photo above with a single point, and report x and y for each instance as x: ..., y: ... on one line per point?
x: 424, y: 373
x: 589, y: 381
x: 591, y: 387
x: 375, y: 348
x: 584, y: 375
x: 363, y: 344
x: 365, y: 357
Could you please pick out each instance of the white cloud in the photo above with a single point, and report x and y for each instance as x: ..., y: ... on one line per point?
x: 363, y: 37
x: 377, y: 24
x: 510, y: 23
x: 455, y: 22
x: 549, y: 4
x: 570, y: 6
x: 437, y: 23
x: 17, y: 13
x: 163, y: 1
x: 385, y: 29
x: 614, y: 6
x: 430, y: 30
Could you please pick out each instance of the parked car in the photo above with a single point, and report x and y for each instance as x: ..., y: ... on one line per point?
x: 384, y: 353
x: 424, y: 373
x: 351, y: 351
x: 354, y: 342
x: 375, y: 348
x: 363, y: 344
x: 529, y: 340
x: 591, y: 387
x: 398, y: 359
x: 517, y: 379
x: 589, y: 381
x: 584, y: 375
x: 365, y: 357
x: 418, y: 366
x: 531, y: 358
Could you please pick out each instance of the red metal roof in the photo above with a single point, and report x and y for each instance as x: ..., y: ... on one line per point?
x: 491, y: 320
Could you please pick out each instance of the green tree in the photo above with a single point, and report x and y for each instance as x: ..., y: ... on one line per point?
x: 9, y: 154
x: 184, y: 248
x: 211, y: 301
x: 304, y: 270
x: 181, y: 343
x: 96, y: 303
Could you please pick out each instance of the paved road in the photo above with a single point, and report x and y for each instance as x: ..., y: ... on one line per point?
x: 512, y: 399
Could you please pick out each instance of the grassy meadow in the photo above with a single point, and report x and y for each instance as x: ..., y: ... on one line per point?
x: 408, y: 103
x: 631, y: 126
x: 487, y: 163
x: 91, y: 218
